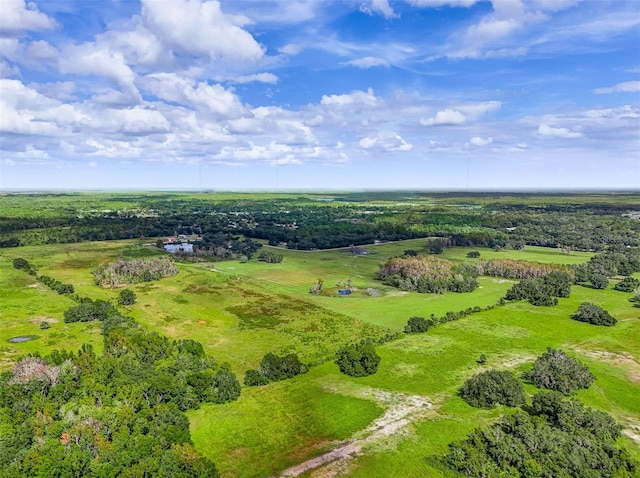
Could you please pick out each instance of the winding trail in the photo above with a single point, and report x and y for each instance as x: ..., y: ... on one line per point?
x: 401, y: 411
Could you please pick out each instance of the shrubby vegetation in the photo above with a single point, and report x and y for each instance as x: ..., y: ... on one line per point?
x: 119, y: 414
x: 513, y: 269
x: 424, y: 274
x: 556, y: 438
x: 358, y: 360
x: 628, y: 284
x: 127, y: 297
x: 270, y: 257
x: 417, y: 325
x: 592, y: 314
x: 122, y: 273
x: 493, y: 386
x: 555, y: 370
x: 617, y: 262
x: 543, y: 290
x: 274, y: 368
x: 89, y: 310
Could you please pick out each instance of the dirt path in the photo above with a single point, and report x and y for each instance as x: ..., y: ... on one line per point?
x: 401, y: 411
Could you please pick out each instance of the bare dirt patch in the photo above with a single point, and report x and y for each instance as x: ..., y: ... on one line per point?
x: 401, y: 411
x: 43, y: 318
x: 625, y: 359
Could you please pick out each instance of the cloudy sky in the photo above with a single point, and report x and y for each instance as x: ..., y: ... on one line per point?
x: 312, y: 94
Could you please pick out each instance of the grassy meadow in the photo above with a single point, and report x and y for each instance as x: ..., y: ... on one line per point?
x: 240, y: 311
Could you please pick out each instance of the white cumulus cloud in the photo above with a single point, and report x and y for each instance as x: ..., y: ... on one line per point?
x: 17, y: 16
x: 447, y: 116
x: 478, y: 141
x: 195, y: 27
x: 546, y: 130
x: 367, y: 98
x: 624, y: 87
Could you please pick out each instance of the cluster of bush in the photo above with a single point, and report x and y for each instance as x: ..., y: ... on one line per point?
x: 128, y: 403
x: 555, y: 437
x: 515, y: 269
x: 593, y: 314
x: 121, y: 273
x: 543, y: 290
x: 274, y: 368
x: 428, y: 274
x: 602, y: 266
x: 270, y: 257
x: 358, y: 360
x: 416, y: 325
x: 628, y: 284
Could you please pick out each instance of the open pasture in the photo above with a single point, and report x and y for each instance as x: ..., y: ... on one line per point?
x: 240, y: 311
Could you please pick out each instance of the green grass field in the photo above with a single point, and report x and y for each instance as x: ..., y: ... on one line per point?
x: 241, y: 311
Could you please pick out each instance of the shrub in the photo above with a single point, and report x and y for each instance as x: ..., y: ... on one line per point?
x: 119, y: 273
x: 44, y: 325
x: 226, y: 386
x: 417, y: 325
x: 270, y: 257
x: 599, y: 281
x: 358, y: 360
x: 88, y: 311
x: 493, y: 386
x: 628, y: 284
x: 20, y: 263
x: 127, y: 297
x: 274, y: 368
x: 555, y: 370
x: 593, y: 314
x: 252, y: 377
x: 473, y: 254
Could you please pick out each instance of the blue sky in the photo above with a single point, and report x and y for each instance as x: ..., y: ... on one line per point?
x: 318, y: 94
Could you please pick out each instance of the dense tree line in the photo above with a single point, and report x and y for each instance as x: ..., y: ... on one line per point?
x: 576, y: 223
x: 122, y: 273
x: 119, y: 414
x: 425, y: 273
x: 543, y: 290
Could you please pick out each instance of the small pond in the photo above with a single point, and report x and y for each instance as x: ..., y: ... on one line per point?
x: 179, y: 247
x: 344, y: 291
x: 22, y: 338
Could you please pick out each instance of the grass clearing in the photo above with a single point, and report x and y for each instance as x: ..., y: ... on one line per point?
x: 241, y: 311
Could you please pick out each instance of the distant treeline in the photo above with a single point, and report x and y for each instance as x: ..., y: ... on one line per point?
x: 572, y: 224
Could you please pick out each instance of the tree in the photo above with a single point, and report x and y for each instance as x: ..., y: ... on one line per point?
x: 127, y: 297
x: 226, y: 385
x: 628, y: 284
x: 417, y: 325
x: 253, y: 377
x: 270, y: 257
x: 555, y: 370
x: 358, y: 360
x: 599, y: 281
x: 493, y: 386
x: 20, y: 263
x: 592, y: 314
